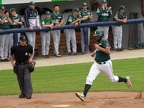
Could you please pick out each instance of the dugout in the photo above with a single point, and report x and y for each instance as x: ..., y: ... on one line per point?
x: 133, y: 6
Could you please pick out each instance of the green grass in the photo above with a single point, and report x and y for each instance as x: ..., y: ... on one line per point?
x: 71, y: 78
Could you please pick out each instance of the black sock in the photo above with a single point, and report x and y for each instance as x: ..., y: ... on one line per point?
x: 86, y: 89
x: 122, y: 79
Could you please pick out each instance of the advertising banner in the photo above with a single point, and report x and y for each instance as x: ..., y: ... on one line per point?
x: 27, y: 1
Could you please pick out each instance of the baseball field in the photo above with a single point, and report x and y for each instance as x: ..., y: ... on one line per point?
x: 55, y: 87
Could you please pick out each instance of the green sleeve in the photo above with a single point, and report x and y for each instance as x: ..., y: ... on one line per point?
x: 51, y: 21
x: 105, y: 44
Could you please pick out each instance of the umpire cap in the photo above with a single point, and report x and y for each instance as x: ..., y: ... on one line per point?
x: 99, y: 33
x: 23, y: 38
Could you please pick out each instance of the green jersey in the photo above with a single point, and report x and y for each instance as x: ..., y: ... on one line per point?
x: 6, y: 24
x: 103, y: 15
x: 47, y: 21
x: 57, y: 17
x: 84, y: 14
x: 101, y: 56
x: 71, y: 18
x: 119, y: 15
x: 15, y: 25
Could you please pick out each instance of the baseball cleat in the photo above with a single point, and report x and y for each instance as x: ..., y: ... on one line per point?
x: 128, y: 83
x: 80, y: 96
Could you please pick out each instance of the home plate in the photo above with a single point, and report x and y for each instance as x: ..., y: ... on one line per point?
x: 60, y: 106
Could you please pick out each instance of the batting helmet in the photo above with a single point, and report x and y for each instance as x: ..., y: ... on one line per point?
x: 99, y: 33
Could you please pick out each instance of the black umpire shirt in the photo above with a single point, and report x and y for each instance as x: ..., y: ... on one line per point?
x: 21, y: 53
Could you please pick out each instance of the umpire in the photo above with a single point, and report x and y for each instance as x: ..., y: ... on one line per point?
x: 21, y: 54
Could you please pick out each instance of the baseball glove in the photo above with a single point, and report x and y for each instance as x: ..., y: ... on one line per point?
x: 31, y: 66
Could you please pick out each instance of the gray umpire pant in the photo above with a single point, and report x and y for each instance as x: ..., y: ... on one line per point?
x: 45, y: 41
x: 56, y: 40
x: 31, y: 38
x: 71, y: 36
x: 24, y: 80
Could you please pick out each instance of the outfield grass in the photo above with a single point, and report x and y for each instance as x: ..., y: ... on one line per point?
x: 71, y: 78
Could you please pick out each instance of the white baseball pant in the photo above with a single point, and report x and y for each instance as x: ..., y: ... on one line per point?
x: 97, y: 68
x: 56, y: 40
x: 105, y: 29
x: 82, y: 39
x: 31, y: 39
x: 4, y: 45
x: 117, y: 34
x: 71, y: 36
x: 45, y: 41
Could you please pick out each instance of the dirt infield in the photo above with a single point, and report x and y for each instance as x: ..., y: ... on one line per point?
x: 69, y: 100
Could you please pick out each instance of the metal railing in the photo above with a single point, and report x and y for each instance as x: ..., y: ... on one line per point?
x: 93, y: 24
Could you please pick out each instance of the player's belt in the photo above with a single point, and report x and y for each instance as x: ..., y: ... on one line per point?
x: 101, y: 62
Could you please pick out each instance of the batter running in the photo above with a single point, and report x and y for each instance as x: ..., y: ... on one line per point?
x: 102, y: 64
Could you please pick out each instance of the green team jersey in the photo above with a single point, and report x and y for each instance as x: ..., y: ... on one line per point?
x: 71, y: 18
x: 6, y: 24
x: 103, y: 15
x: 119, y: 15
x: 84, y: 14
x: 101, y: 56
x: 57, y: 17
x: 47, y: 21
x: 15, y: 25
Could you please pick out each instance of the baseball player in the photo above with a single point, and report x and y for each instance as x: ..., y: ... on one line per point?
x: 104, y: 13
x: 86, y: 17
x: 58, y: 20
x: 45, y: 36
x: 102, y: 64
x: 120, y: 16
x: 5, y: 22
x: 21, y: 54
x: 31, y: 20
x: 17, y: 22
x: 73, y: 19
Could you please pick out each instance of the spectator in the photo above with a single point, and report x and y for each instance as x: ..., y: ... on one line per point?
x: 58, y: 20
